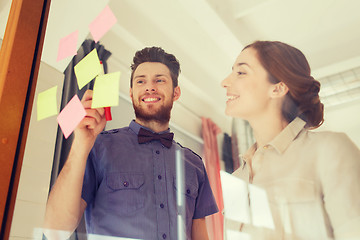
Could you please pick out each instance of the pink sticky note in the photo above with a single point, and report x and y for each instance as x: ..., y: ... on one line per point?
x: 71, y: 116
x: 102, y: 23
x: 67, y: 46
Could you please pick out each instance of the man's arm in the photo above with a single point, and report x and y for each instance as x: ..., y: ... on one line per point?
x: 65, y: 206
x: 198, y: 230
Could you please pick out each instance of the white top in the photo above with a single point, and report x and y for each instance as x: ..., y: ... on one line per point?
x: 312, y: 183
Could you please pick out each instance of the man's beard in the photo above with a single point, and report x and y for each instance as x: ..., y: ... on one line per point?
x: 162, y: 115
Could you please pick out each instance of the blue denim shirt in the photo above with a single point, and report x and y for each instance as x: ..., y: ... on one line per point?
x: 130, y: 187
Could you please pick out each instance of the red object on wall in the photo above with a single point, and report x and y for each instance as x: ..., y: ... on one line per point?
x: 215, y: 222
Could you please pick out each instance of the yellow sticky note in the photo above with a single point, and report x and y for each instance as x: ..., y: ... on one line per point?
x: 106, y: 90
x: 46, y: 103
x: 88, y: 68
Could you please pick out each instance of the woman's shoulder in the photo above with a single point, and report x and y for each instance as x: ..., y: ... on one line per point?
x: 327, y: 136
x: 331, y: 141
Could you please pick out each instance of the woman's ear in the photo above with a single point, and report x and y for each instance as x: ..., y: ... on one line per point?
x: 279, y: 90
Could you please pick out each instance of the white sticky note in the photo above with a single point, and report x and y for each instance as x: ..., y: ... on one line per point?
x: 260, y: 208
x: 236, y: 203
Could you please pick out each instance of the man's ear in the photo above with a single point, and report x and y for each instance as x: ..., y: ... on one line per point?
x: 130, y: 92
x: 279, y: 90
x: 177, y: 93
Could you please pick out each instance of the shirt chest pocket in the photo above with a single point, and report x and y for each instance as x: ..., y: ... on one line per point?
x: 191, y: 193
x: 297, y: 208
x: 124, y: 193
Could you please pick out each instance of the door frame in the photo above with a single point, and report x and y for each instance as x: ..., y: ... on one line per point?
x: 20, y: 57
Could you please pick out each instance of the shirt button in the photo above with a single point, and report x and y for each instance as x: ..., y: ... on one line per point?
x: 162, y: 205
x: 126, y: 184
x: 188, y: 191
x: 159, y: 177
x: 164, y: 236
x: 157, y: 152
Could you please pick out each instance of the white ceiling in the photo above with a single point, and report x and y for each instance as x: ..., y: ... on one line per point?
x: 207, y: 35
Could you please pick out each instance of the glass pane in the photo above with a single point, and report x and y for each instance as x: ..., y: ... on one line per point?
x: 203, y: 36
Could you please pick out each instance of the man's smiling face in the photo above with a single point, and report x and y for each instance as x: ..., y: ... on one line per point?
x: 152, y: 92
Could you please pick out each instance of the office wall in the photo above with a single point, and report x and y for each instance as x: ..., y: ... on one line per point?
x: 344, y: 118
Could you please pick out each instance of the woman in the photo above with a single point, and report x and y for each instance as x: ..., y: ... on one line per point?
x: 311, y: 179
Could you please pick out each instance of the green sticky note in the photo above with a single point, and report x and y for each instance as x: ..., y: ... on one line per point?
x: 88, y: 68
x: 47, y: 104
x: 106, y: 90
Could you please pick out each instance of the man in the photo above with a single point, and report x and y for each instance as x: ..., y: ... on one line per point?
x: 125, y: 184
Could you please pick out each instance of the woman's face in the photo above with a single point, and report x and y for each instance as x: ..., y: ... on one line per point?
x: 247, y: 87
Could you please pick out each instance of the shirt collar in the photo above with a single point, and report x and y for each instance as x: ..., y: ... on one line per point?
x: 248, y: 155
x: 135, y: 127
x: 282, y: 141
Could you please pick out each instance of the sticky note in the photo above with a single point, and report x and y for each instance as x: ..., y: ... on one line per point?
x: 236, y: 203
x: 106, y: 90
x: 102, y: 23
x: 260, y: 207
x: 68, y: 46
x: 47, y: 104
x: 71, y: 116
x: 88, y: 68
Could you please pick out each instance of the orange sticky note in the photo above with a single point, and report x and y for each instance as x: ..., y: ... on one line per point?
x: 88, y: 68
x: 106, y: 90
x: 47, y: 104
x: 67, y: 46
x: 102, y: 23
x: 71, y: 116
